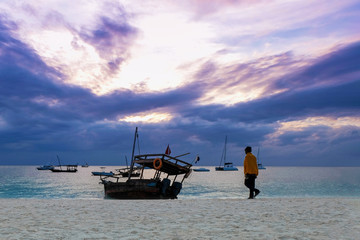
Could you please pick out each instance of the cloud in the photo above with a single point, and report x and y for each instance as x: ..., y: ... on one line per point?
x: 112, y: 39
x: 337, y: 67
x: 15, y: 51
x: 329, y: 86
x: 203, y: 8
x: 77, y: 39
x: 230, y: 84
x: 41, y: 113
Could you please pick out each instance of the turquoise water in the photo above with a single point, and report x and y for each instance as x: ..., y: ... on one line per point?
x: 28, y: 182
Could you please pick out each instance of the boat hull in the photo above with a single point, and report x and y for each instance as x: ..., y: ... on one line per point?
x: 226, y: 169
x: 45, y: 168
x: 139, y: 189
x: 102, y: 173
x: 201, y: 170
x: 59, y: 170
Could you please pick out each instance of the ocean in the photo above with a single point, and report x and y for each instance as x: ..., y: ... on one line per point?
x: 274, y: 182
x: 294, y: 203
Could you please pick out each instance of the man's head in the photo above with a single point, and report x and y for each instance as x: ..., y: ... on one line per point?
x: 248, y: 149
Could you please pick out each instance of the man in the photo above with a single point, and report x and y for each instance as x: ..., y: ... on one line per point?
x: 250, y: 171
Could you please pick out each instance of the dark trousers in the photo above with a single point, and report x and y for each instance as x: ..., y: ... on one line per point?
x: 250, y: 183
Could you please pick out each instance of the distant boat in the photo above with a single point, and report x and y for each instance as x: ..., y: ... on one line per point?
x: 260, y: 165
x: 67, y: 168
x: 228, y: 166
x: 45, y: 167
x: 102, y: 173
x: 124, y: 172
x: 201, y: 170
x: 85, y: 165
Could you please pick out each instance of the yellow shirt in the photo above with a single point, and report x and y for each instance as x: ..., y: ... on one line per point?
x: 250, y: 164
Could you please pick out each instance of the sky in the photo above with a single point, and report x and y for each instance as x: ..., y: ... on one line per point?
x: 77, y: 78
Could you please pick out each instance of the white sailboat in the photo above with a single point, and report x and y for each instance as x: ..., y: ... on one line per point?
x: 260, y: 165
x: 228, y: 166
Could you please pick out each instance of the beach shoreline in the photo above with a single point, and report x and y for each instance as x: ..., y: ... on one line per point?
x: 262, y: 218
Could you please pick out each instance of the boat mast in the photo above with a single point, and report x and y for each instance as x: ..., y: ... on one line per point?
x: 223, y: 155
x: 132, y: 155
x: 59, y: 161
x: 225, y: 150
x: 127, y: 165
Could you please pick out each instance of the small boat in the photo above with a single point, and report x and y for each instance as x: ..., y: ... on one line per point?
x: 201, y: 170
x: 64, y: 168
x: 124, y: 172
x: 162, y: 184
x: 102, y: 173
x: 228, y: 166
x: 85, y: 165
x: 260, y: 166
x: 45, y: 167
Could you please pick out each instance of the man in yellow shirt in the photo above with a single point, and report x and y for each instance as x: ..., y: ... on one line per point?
x: 250, y: 171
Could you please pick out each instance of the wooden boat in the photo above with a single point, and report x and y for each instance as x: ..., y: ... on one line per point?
x: 228, y: 166
x: 67, y: 168
x: 201, y: 170
x: 124, y: 172
x: 161, y: 183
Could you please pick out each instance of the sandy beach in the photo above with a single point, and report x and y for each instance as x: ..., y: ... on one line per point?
x: 267, y: 218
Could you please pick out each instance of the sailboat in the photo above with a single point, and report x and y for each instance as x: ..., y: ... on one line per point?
x: 260, y: 165
x: 69, y: 168
x: 228, y: 166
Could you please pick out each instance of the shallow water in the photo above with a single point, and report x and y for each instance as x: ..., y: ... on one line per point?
x: 274, y: 182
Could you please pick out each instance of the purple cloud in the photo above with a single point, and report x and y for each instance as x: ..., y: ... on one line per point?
x: 41, y: 117
x: 112, y: 39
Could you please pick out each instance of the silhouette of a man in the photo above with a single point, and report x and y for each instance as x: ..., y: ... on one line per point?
x: 250, y: 171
